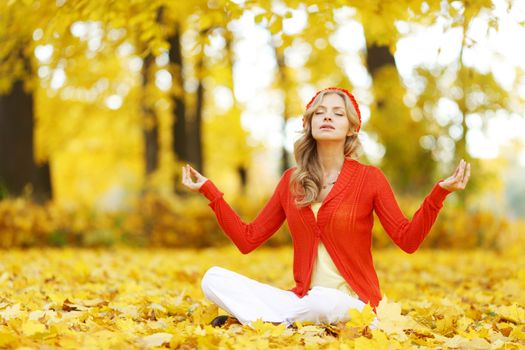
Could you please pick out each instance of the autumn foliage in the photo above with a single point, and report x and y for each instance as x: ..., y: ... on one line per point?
x: 189, y: 222
x: 128, y: 298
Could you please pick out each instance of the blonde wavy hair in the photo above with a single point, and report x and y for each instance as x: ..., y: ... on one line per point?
x: 306, y: 180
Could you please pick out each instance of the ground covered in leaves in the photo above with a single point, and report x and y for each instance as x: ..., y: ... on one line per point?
x: 128, y: 298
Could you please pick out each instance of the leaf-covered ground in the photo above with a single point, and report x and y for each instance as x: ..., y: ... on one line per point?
x: 126, y: 298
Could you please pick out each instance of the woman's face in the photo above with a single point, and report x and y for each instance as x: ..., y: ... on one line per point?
x: 329, y: 121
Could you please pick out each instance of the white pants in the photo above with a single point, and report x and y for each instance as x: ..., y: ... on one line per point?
x: 248, y: 300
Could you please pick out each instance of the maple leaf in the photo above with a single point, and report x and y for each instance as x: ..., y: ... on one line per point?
x: 31, y: 328
x: 10, y: 312
x: 361, y: 318
x: 156, y: 339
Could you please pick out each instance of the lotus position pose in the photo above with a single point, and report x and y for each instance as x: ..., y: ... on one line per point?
x: 328, y: 200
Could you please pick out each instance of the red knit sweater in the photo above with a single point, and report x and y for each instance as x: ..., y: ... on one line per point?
x: 344, y: 224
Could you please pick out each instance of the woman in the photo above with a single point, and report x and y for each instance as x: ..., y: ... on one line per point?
x: 328, y: 200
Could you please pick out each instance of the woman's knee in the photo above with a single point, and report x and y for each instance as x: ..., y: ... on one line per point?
x: 211, y: 277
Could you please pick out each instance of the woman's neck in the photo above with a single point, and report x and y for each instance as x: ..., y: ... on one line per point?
x: 331, y: 157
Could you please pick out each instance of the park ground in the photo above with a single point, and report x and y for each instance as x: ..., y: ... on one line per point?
x: 151, y: 298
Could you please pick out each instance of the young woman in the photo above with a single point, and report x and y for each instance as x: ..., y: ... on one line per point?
x: 328, y: 200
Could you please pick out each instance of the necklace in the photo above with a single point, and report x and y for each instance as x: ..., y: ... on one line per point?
x: 331, y: 183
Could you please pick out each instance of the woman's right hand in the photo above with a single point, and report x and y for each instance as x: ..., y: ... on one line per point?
x: 187, y: 180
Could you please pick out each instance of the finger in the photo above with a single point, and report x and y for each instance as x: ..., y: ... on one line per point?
x: 463, y: 177
x: 185, y: 176
x: 188, y: 172
x: 195, y: 172
x: 457, y: 170
x: 461, y: 170
x: 453, y: 179
x: 467, y: 175
x: 450, y: 179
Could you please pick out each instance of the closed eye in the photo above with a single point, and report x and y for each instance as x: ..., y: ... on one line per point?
x: 341, y: 115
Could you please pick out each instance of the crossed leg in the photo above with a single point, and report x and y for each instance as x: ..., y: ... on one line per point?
x: 248, y: 300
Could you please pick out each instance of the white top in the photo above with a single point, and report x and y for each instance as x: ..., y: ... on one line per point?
x: 325, y: 272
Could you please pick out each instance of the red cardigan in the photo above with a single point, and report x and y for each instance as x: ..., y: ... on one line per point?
x: 344, y: 225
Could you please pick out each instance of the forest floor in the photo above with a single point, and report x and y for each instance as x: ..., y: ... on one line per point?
x: 147, y: 298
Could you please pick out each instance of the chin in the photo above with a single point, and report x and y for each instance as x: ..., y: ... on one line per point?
x: 329, y: 138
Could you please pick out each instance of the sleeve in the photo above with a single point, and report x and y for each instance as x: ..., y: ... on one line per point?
x: 246, y: 236
x: 407, y: 234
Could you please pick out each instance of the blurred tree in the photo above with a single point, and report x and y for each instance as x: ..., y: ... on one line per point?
x: 284, y: 81
x: 150, y: 119
x: 318, y: 70
x: 222, y: 128
x: 129, y: 115
x: 179, y: 129
x: 191, y: 64
x: 194, y: 139
x: 514, y: 184
x: 466, y: 91
x: 391, y: 117
x: 91, y: 120
x: 18, y: 164
x: 244, y: 153
x: 407, y: 165
x: 325, y: 64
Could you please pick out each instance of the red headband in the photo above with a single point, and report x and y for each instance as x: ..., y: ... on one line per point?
x: 348, y: 94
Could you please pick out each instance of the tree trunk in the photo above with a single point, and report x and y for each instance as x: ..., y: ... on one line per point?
x: 377, y: 57
x: 17, y: 164
x: 406, y: 163
x: 242, y: 169
x: 194, y: 141
x: 279, y: 57
x: 179, y: 130
x: 150, y: 129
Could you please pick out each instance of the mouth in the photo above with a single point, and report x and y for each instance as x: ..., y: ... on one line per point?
x: 327, y: 127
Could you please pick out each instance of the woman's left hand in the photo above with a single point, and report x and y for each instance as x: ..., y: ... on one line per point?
x: 459, y: 180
